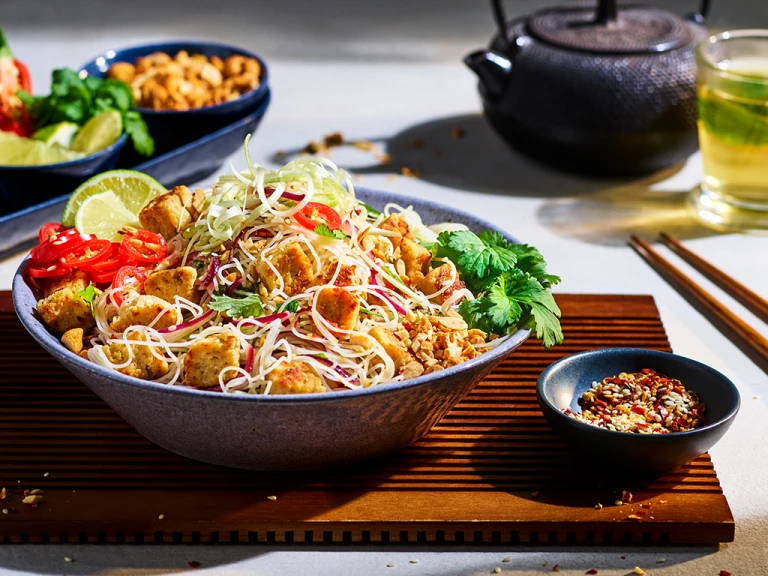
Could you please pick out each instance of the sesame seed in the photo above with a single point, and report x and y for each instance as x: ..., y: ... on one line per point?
x: 5, y: 510
x: 391, y: 565
x: 497, y: 570
x: 68, y: 559
x: 161, y: 517
x: 45, y: 475
x: 506, y: 559
x: 272, y: 498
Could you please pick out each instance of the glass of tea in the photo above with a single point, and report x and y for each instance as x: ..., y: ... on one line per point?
x: 732, y: 87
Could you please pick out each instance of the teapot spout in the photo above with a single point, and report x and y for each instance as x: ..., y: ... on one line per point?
x: 492, y: 69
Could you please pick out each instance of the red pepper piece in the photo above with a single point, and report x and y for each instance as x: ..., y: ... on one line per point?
x: 638, y: 409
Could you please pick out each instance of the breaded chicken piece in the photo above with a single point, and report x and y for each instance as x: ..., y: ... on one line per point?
x: 416, y: 259
x: 437, y: 279
x: 294, y: 266
x: 395, y: 223
x: 142, y: 311
x: 348, y: 275
x: 172, y: 212
x: 143, y: 364
x: 73, y: 340
x: 339, y: 307
x: 65, y: 309
x: 294, y: 378
x: 167, y: 284
x: 206, y: 358
x: 75, y: 279
x: 394, y: 348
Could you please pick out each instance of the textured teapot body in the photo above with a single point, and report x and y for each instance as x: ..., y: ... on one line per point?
x: 600, y: 113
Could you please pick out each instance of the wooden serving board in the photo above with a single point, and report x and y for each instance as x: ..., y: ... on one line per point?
x: 490, y: 471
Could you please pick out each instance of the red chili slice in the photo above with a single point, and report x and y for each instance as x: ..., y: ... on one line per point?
x: 25, y: 78
x: 124, y: 273
x: 51, y: 250
x: 89, y: 252
x: 144, y: 246
x: 112, y: 260
x: 49, y: 230
x: 52, y: 271
x: 314, y: 214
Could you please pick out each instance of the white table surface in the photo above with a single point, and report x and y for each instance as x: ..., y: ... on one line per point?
x: 579, y: 224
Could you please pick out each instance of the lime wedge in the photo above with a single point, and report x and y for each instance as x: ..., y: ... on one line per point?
x: 99, y: 132
x: 104, y: 214
x: 61, y: 134
x: 133, y: 189
x: 17, y: 151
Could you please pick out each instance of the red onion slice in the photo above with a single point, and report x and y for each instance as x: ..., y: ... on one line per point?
x: 194, y: 323
x: 338, y: 369
x: 249, y: 359
x: 232, y: 287
x: 287, y: 195
x: 213, y: 269
x: 262, y: 319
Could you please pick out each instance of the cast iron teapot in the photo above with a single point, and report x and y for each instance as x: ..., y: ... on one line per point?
x: 601, y: 90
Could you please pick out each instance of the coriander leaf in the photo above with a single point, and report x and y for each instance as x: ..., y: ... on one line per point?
x: 117, y: 92
x: 136, y: 128
x: 291, y: 306
x: 431, y: 246
x: 547, y: 324
x: 248, y: 307
x: 88, y: 293
x: 531, y: 261
x: 477, y: 258
x: 324, y: 230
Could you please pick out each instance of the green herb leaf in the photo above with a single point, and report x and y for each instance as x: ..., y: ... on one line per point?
x: 248, y: 307
x: 290, y: 306
x: 324, y: 230
x: 372, y: 211
x: 137, y: 130
x: 88, y: 293
x: 5, y: 49
x: 477, y: 258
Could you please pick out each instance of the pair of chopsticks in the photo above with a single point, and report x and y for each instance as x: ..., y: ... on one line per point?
x: 740, y: 333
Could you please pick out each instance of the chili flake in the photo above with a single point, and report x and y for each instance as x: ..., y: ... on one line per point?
x: 645, y: 402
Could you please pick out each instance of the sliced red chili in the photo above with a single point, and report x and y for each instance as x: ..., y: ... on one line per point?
x: 25, y: 78
x: 112, y: 261
x: 50, y: 230
x: 51, y: 250
x: 52, y: 271
x: 314, y: 214
x: 89, y: 252
x: 144, y: 246
x: 120, y: 280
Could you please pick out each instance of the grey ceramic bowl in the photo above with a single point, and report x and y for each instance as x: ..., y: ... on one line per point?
x: 303, y: 431
x: 562, y: 384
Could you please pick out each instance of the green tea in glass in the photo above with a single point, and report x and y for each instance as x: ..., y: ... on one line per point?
x: 732, y: 85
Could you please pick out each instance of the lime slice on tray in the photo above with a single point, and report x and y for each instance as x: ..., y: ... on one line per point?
x: 131, y: 189
x: 61, y: 134
x: 17, y: 151
x: 99, y: 132
x: 104, y: 214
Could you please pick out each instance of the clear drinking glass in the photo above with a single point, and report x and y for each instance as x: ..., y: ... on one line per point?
x: 732, y: 87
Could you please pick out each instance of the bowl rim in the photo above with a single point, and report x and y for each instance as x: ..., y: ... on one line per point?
x: 550, y: 407
x: 180, y: 45
x: 111, y: 149
x: 51, y: 344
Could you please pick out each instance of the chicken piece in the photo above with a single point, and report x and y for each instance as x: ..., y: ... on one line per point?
x: 394, y: 348
x: 416, y: 259
x: 65, y: 309
x: 75, y: 279
x: 437, y: 279
x: 348, y: 275
x: 73, y: 340
x: 294, y: 266
x: 206, y: 359
x: 294, y: 378
x: 339, y: 307
x: 144, y: 364
x: 142, y: 311
x: 172, y: 212
x: 167, y: 284
x: 395, y: 223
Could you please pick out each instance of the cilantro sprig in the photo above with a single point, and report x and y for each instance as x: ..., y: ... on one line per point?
x: 248, y: 307
x: 324, y: 230
x: 510, y: 280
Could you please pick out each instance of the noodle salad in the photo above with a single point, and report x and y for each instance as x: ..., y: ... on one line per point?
x: 283, y: 282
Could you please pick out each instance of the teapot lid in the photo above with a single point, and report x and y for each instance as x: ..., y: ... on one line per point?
x: 632, y: 29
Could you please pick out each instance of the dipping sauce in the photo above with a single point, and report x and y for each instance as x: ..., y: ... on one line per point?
x: 645, y: 402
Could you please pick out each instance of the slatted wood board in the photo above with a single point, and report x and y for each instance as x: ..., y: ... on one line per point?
x: 490, y: 471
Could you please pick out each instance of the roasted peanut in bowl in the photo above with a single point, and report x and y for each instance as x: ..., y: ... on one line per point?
x: 187, y: 89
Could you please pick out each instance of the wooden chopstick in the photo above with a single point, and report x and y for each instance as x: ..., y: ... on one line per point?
x: 751, y: 301
x: 739, y: 332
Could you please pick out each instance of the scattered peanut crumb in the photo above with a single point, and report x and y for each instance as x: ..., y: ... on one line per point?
x: 619, y: 503
x: 639, y: 571
x: 391, y: 565
x: 506, y: 559
x: 384, y: 158
x: 556, y: 568
x: 37, y: 492
x: 363, y: 145
x: 458, y: 132
x: 68, y: 559
x: 161, y: 517
x: 334, y: 139
x: 633, y: 517
x: 662, y: 501
x: 32, y: 500
x: 626, y: 496
x: 598, y: 506
x: 413, y: 561
x: 272, y: 498
x: 5, y: 510
x: 405, y: 171
x: 45, y: 475
x: 3, y: 494
x: 650, y: 517
x: 497, y: 570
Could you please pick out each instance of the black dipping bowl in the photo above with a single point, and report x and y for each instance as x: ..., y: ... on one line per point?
x: 562, y: 384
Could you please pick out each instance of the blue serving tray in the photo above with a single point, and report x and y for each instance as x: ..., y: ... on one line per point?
x: 184, y: 165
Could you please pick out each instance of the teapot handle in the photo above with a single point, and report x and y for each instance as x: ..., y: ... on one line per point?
x: 500, y: 17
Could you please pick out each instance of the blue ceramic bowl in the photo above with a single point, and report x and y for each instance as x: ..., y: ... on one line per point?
x: 171, y: 128
x: 302, y: 431
x: 562, y: 384
x: 21, y: 186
